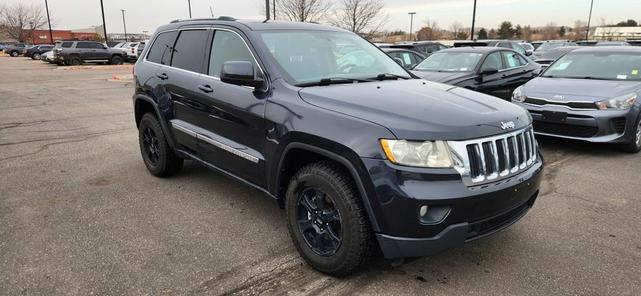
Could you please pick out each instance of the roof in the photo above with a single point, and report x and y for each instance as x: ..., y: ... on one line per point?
x: 613, y: 49
x: 479, y: 49
x: 254, y: 25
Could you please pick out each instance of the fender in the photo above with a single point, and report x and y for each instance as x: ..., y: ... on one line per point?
x: 345, y: 162
x: 163, y: 123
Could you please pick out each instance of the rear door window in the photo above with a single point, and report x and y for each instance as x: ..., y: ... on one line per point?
x: 83, y: 45
x: 189, y: 51
x: 160, y: 51
x: 511, y: 59
x: 493, y: 61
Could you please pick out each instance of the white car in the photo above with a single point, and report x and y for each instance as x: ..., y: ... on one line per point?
x: 49, y: 57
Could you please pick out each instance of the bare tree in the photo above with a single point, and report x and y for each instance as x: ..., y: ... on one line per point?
x: 303, y: 10
x: 579, y: 30
x: 550, y: 31
x: 359, y: 16
x: 20, y: 20
x: 456, y: 28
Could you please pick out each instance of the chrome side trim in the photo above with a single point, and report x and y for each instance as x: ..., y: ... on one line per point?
x: 215, y: 143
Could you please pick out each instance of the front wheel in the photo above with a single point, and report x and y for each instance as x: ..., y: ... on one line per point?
x: 14, y: 54
x: 75, y: 61
x: 635, y: 145
x: 326, y: 219
x: 35, y: 56
x: 159, y: 158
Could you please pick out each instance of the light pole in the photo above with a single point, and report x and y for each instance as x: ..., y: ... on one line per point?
x: 274, y: 9
x: 473, y: 21
x: 587, y: 32
x: 411, y: 23
x: 124, y: 24
x: 189, y: 4
x: 267, y: 9
x: 104, y: 26
x: 49, y: 21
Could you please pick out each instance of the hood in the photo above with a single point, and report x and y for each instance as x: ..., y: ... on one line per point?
x: 415, y: 109
x: 442, y: 77
x: 562, y: 89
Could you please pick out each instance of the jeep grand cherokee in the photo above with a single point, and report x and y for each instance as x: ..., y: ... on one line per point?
x: 359, y: 152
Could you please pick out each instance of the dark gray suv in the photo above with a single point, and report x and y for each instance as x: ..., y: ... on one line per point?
x: 360, y: 152
x: 590, y: 94
x: 78, y: 52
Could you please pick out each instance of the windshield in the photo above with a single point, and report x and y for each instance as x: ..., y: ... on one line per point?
x: 603, y: 65
x: 311, y: 56
x: 549, y: 45
x: 450, y: 62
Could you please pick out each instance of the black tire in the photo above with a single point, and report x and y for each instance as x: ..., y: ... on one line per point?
x: 35, y: 56
x: 14, y: 54
x: 635, y: 142
x: 356, y: 241
x: 116, y: 60
x: 75, y: 61
x: 159, y: 158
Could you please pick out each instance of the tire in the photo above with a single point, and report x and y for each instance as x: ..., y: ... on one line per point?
x: 75, y: 61
x: 341, y: 205
x: 35, y: 56
x: 159, y: 158
x: 635, y: 143
x: 14, y: 54
x: 116, y: 60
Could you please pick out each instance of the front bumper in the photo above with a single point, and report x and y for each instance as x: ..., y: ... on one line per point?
x: 597, y: 126
x: 458, y: 214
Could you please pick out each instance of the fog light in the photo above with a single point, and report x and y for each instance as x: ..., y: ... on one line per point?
x: 423, y: 211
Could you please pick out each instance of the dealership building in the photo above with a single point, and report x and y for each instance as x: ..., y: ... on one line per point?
x: 617, y: 33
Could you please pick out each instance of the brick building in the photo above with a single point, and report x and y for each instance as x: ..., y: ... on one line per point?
x: 42, y: 36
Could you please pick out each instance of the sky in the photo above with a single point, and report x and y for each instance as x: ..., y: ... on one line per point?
x: 147, y: 15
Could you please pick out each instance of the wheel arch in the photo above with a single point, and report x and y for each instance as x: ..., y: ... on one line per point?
x: 289, y: 163
x: 144, y: 104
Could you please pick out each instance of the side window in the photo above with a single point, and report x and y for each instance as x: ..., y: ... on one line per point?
x: 189, y: 51
x: 505, y: 45
x: 160, y: 51
x: 227, y: 46
x: 518, y: 48
x: 511, y: 59
x: 83, y: 45
x: 493, y: 60
x: 66, y: 44
x: 95, y: 45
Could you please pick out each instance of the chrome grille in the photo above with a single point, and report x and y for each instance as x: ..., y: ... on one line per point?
x: 494, y: 158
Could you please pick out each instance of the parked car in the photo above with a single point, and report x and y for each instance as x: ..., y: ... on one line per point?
x: 553, y: 54
x: 141, y: 47
x: 492, y: 70
x: 407, y: 58
x: 590, y: 94
x: 586, y: 42
x: 634, y: 42
x: 78, y: 52
x: 536, y: 44
x: 511, y: 44
x: 49, y: 57
x: 15, y: 49
x: 549, y: 45
x: 35, y: 51
x: 612, y: 43
x: 529, y: 49
x: 132, y: 51
x: 352, y: 153
x: 425, y: 48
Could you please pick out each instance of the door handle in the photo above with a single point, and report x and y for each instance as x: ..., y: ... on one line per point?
x: 205, y: 88
x: 162, y: 76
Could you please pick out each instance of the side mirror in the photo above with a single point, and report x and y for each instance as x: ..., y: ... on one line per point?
x: 240, y: 73
x: 528, y: 53
x: 489, y: 71
x: 105, y: 47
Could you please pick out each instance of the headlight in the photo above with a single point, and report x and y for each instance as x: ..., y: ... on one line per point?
x: 517, y: 95
x: 432, y: 154
x: 619, y: 103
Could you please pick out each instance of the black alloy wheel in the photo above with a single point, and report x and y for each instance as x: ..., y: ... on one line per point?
x: 151, y: 146
x: 319, y: 221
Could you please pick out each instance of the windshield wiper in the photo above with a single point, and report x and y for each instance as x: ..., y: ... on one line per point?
x: 332, y: 80
x: 389, y: 76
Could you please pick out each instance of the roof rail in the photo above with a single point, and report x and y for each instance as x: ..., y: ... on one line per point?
x: 220, y: 18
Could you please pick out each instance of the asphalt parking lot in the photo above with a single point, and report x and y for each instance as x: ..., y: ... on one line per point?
x: 80, y: 215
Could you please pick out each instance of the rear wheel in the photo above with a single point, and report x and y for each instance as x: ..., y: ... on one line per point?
x: 35, y: 56
x: 635, y: 145
x: 75, y: 61
x: 14, y: 54
x: 159, y: 158
x: 326, y: 219
x: 116, y: 60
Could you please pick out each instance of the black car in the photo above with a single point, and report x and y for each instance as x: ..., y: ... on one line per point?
x: 37, y: 50
x: 78, y: 52
x: 359, y: 152
x: 550, y: 45
x: 492, y: 70
x: 425, y: 48
x: 509, y: 44
x: 552, y: 55
x: 590, y: 94
x: 14, y: 49
x: 407, y: 58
